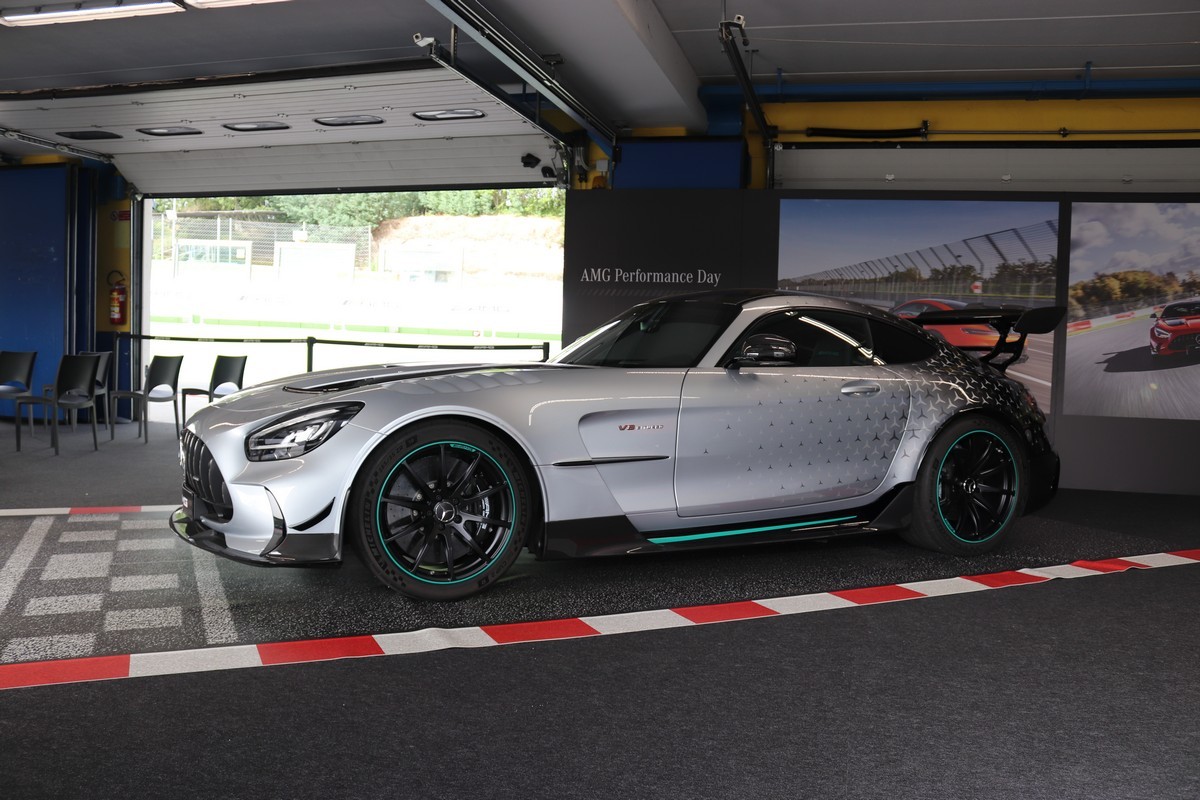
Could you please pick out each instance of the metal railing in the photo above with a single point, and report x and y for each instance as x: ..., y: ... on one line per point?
x: 311, y: 342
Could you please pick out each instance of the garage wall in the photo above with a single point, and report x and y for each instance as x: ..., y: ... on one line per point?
x: 36, y: 274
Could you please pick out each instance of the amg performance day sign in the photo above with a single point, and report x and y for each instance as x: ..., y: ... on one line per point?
x: 627, y: 246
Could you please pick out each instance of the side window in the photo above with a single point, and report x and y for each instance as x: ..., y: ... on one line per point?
x: 847, y: 340
x: 912, y: 309
x: 822, y: 338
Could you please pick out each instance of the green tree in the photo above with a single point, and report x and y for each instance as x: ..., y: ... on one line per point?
x: 955, y: 273
x: 357, y: 209
x: 460, y: 203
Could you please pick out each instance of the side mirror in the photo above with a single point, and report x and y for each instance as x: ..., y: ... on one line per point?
x: 1154, y: 316
x: 765, y: 348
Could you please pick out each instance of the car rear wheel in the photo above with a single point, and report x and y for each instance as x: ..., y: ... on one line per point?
x: 971, y: 488
x: 442, y: 510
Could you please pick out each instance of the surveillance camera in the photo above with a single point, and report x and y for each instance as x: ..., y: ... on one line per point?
x: 423, y: 41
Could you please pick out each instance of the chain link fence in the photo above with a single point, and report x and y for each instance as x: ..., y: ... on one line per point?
x: 1016, y: 265
x: 247, y: 240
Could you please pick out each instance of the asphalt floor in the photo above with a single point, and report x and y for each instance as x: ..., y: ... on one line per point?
x: 1081, y: 688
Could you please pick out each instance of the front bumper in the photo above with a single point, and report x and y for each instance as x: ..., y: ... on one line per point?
x: 295, y: 550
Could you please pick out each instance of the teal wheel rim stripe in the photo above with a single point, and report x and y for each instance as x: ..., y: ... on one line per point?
x: 1012, y: 505
x: 512, y: 499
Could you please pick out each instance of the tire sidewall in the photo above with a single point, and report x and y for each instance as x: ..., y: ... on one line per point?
x: 375, y: 475
x: 929, y: 528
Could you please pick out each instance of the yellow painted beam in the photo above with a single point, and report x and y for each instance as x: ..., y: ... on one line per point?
x: 1003, y: 120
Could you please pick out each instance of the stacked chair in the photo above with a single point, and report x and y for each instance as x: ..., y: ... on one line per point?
x: 74, y: 389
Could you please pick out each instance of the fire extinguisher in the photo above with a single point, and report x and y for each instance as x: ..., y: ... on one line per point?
x: 118, y: 299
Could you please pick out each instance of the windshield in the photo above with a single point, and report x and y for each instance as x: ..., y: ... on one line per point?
x: 1181, y: 310
x: 663, y: 334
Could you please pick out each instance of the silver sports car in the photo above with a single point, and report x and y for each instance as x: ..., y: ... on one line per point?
x: 693, y: 421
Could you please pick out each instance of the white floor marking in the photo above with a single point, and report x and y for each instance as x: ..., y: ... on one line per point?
x: 137, y: 619
x: 214, y: 608
x: 22, y: 556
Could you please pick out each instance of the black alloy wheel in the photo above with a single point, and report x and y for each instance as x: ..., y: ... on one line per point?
x: 977, y: 486
x: 971, y: 488
x: 443, y: 510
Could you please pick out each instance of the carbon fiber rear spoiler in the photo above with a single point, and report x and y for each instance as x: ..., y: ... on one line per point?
x: 1005, y: 320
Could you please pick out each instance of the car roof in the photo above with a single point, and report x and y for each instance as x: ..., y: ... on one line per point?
x: 737, y: 297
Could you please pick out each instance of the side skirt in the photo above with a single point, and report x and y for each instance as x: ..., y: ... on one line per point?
x: 606, y: 536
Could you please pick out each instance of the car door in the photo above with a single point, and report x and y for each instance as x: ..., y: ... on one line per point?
x: 823, y: 426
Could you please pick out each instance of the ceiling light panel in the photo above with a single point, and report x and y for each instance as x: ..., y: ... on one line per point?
x: 86, y: 11
x: 228, y: 3
x: 353, y: 119
x: 246, y: 127
x: 193, y: 117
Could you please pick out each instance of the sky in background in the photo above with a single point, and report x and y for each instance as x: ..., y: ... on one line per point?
x: 816, y: 235
x: 1112, y: 237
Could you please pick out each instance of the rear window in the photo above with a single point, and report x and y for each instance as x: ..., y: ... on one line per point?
x: 896, y: 345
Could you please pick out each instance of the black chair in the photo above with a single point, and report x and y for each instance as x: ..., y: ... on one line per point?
x: 74, y: 388
x: 16, y: 367
x: 162, y: 386
x: 102, y: 384
x: 227, y: 375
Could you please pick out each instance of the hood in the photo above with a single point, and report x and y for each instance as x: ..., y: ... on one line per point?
x: 340, y: 380
x: 299, y: 390
x: 1180, y: 323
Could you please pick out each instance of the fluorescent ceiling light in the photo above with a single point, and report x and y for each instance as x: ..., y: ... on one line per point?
x: 224, y: 3
x: 448, y: 114
x: 257, y: 126
x: 170, y: 130
x: 88, y: 135
x: 86, y: 11
x: 353, y: 119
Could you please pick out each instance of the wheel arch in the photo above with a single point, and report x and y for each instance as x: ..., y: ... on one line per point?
x: 536, y: 529
x: 990, y: 412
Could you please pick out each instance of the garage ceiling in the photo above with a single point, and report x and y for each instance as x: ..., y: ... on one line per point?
x: 635, y: 63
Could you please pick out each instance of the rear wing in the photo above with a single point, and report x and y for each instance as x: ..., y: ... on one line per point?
x: 1005, y: 320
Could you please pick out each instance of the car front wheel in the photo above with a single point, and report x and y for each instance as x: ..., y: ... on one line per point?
x: 971, y: 488
x: 442, y: 510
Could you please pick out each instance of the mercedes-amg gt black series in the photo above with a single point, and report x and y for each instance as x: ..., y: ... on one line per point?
x: 693, y: 421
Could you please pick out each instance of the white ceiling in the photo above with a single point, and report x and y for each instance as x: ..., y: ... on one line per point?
x: 634, y: 63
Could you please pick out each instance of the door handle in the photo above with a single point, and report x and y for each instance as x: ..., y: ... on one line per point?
x: 859, y: 388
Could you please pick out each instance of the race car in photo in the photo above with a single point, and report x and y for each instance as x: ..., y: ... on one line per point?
x: 718, y: 418
x: 1176, y: 329
x: 969, y: 336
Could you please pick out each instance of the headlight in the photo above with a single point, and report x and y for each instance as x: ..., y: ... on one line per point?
x: 299, y: 433
x: 1160, y: 333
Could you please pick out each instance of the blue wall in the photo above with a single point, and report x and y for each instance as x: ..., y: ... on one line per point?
x: 36, y: 253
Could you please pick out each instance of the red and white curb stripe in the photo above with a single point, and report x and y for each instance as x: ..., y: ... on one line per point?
x: 44, y: 673
x: 67, y: 510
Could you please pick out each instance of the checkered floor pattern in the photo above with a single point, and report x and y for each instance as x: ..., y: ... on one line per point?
x: 111, y: 581
x: 119, y: 581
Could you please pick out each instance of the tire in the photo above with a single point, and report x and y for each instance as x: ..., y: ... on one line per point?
x: 971, y: 489
x: 441, y: 510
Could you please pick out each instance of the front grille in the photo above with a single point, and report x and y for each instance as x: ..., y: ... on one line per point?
x: 202, y: 475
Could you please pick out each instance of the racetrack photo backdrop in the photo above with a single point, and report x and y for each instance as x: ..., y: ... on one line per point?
x: 1130, y: 264
x: 911, y: 256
